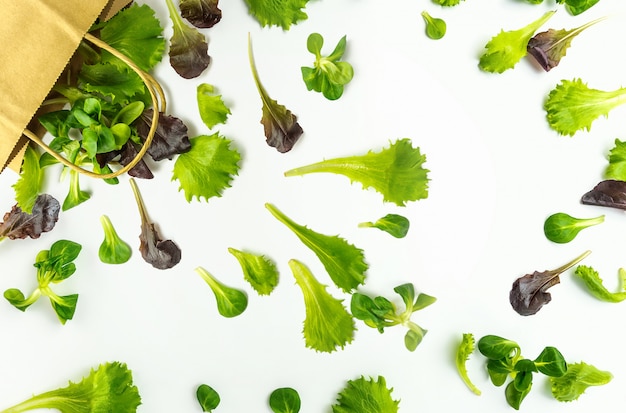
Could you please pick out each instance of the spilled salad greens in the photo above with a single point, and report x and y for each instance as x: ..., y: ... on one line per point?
x: 111, y: 120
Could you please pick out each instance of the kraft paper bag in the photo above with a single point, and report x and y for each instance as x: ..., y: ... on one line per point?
x: 37, y: 40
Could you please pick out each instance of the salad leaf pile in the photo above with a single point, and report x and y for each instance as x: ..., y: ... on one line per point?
x: 112, y: 117
x: 505, y: 363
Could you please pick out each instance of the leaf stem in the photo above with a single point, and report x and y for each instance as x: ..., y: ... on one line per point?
x: 570, y: 264
x: 142, y: 209
x: 577, y: 30
x: 255, y: 75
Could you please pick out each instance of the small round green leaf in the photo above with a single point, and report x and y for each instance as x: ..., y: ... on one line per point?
x: 208, y: 398
x: 285, y: 400
x: 314, y: 43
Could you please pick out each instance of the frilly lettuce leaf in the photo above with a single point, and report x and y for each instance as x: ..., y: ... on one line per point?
x: 344, y: 262
x: 507, y: 48
x: 576, y: 380
x: 366, y: 396
x: 212, y: 109
x: 208, y: 168
x: 396, y: 172
x: 281, y: 13
x: 328, y: 324
x: 28, y: 185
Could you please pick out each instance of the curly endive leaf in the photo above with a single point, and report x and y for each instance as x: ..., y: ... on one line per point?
x: 366, y: 396
x: 208, y: 168
x: 281, y: 13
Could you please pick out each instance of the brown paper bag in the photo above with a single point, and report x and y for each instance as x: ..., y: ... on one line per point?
x: 37, y: 39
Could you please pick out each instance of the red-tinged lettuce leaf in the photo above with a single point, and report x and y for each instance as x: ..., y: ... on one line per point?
x: 529, y: 293
x: 161, y: 254
x: 19, y: 225
x: 609, y: 193
x: 141, y: 169
x: 280, y: 126
x: 126, y: 155
x: 188, y: 47
x: 170, y: 138
x: 549, y: 47
x: 201, y: 13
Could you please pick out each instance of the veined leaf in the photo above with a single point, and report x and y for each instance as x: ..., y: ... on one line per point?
x: 208, y: 168
x: 280, y: 126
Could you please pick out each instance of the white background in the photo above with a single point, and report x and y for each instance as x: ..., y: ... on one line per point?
x: 497, y: 171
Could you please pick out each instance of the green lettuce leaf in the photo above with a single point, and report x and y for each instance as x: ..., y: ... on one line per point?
x: 137, y: 33
x: 281, y: 13
x: 212, y: 109
x: 258, y: 270
x: 366, y: 396
x: 596, y: 287
x: 328, y: 324
x: 576, y: 380
x: 207, y: 168
x: 28, y: 184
